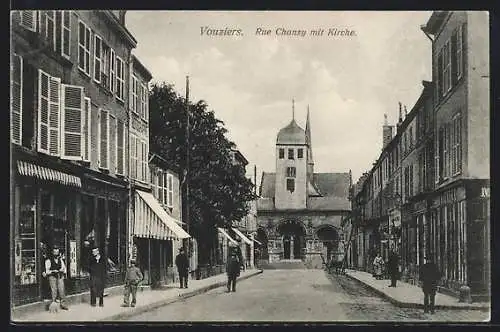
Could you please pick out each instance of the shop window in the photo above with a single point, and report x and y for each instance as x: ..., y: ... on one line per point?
x: 25, y: 244
x: 87, y: 232
x: 113, y: 236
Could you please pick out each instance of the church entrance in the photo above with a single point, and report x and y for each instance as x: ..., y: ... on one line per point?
x: 293, y: 239
x: 330, y: 239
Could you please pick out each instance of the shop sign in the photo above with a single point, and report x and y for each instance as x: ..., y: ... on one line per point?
x: 73, y: 268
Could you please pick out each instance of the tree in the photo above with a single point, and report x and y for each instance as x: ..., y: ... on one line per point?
x: 218, y: 190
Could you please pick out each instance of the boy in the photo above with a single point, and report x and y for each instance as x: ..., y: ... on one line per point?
x: 132, y: 279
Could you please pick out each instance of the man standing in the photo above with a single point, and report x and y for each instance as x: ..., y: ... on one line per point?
x: 234, y: 262
x: 132, y: 279
x: 429, y: 276
x: 97, y: 268
x: 55, y: 270
x: 393, y: 267
x: 182, y: 263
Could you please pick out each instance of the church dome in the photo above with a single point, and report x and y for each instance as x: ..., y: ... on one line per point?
x: 291, y: 134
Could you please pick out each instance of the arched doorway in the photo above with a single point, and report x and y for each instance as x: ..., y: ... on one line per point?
x: 329, y: 236
x: 293, y: 237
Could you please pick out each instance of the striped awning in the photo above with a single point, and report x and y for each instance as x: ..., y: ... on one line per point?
x: 152, y: 221
x: 242, y: 236
x: 224, y: 233
x: 43, y: 173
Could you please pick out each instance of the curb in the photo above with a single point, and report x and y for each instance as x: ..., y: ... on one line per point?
x: 151, y: 306
x: 414, y: 305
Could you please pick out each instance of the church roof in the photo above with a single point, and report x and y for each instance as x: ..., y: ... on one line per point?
x: 291, y: 134
x: 333, y: 188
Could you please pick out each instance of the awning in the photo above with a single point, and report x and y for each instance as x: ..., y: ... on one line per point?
x: 242, y: 236
x: 43, y: 173
x: 152, y: 221
x: 223, y: 232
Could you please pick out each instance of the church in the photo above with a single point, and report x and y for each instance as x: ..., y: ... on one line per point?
x: 299, y: 212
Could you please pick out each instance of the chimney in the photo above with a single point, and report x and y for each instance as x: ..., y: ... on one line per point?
x: 386, y: 133
x: 400, y: 120
x: 406, y: 112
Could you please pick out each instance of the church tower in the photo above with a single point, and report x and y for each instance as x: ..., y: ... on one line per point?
x: 310, y: 160
x: 291, y: 167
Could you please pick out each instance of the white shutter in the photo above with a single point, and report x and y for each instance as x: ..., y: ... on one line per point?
x: 43, y: 112
x: 66, y: 34
x: 54, y: 116
x: 133, y: 154
x: 112, y: 71
x: 146, y: 102
x: 170, y: 189
x: 112, y: 142
x: 50, y: 27
x: 86, y: 125
x: 104, y: 139
x: 97, y: 58
x: 28, y: 19
x: 16, y: 99
x: 72, y: 118
x: 120, y: 143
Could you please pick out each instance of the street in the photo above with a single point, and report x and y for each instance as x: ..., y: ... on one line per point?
x: 297, y: 295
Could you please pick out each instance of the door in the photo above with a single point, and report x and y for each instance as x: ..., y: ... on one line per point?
x: 297, y: 245
x: 286, y: 247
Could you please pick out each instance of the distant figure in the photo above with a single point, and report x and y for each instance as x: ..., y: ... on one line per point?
x: 55, y: 270
x: 132, y: 279
x: 182, y: 263
x: 393, y: 267
x: 429, y: 275
x: 378, y: 266
x: 98, y: 274
x: 234, y: 263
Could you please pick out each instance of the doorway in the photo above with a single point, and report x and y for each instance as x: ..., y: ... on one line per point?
x: 293, y: 239
x: 286, y: 247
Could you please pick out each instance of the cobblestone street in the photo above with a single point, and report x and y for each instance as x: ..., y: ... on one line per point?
x: 297, y: 295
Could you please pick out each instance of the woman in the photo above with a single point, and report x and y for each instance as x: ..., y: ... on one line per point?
x: 378, y: 266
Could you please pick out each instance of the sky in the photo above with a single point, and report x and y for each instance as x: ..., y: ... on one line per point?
x: 348, y: 82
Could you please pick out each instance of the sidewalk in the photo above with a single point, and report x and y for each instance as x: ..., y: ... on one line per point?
x: 410, y: 296
x: 146, y: 300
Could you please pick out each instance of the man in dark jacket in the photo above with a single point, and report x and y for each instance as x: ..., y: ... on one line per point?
x: 429, y: 276
x: 97, y: 267
x: 182, y: 263
x: 393, y: 267
x: 234, y: 263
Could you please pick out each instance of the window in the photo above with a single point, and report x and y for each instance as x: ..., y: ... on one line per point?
x: 16, y: 99
x: 97, y: 58
x: 84, y: 48
x: 281, y: 153
x: 50, y: 27
x: 105, y: 65
x: 290, y: 154
x: 28, y: 19
x: 133, y: 156
x: 458, y: 143
x: 460, y: 50
x: 112, y: 140
x: 134, y: 101
x: 170, y: 190
x: 112, y: 71
x: 103, y: 139
x: 144, y: 102
x: 66, y: 33
x: 300, y: 153
x: 49, y: 104
x: 290, y: 172
x: 120, y: 147
x: 410, y: 143
x: 446, y: 68
x: 120, y: 79
x: 290, y: 185
x: 145, y: 175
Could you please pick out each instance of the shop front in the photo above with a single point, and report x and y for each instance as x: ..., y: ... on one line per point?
x: 155, y: 237
x: 45, y: 205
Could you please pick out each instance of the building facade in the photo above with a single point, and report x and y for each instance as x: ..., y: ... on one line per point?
x: 299, y: 212
x: 69, y: 80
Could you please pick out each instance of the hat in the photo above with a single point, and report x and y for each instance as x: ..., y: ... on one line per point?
x: 55, y: 246
x: 132, y: 261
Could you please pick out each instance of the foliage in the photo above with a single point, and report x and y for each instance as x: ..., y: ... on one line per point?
x: 218, y: 190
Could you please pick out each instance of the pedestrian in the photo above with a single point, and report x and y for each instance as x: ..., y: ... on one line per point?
x: 132, y: 279
x: 182, y: 263
x: 97, y: 267
x: 234, y: 263
x: 378, y: 266
x: 393, y: 267
x: 429, y: 276
x: 55, y: 271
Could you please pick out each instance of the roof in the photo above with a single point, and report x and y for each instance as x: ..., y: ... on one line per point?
x: 333, y: 188
x: 434, y: 23
x: 139, y: 66
x: 291, y: 134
